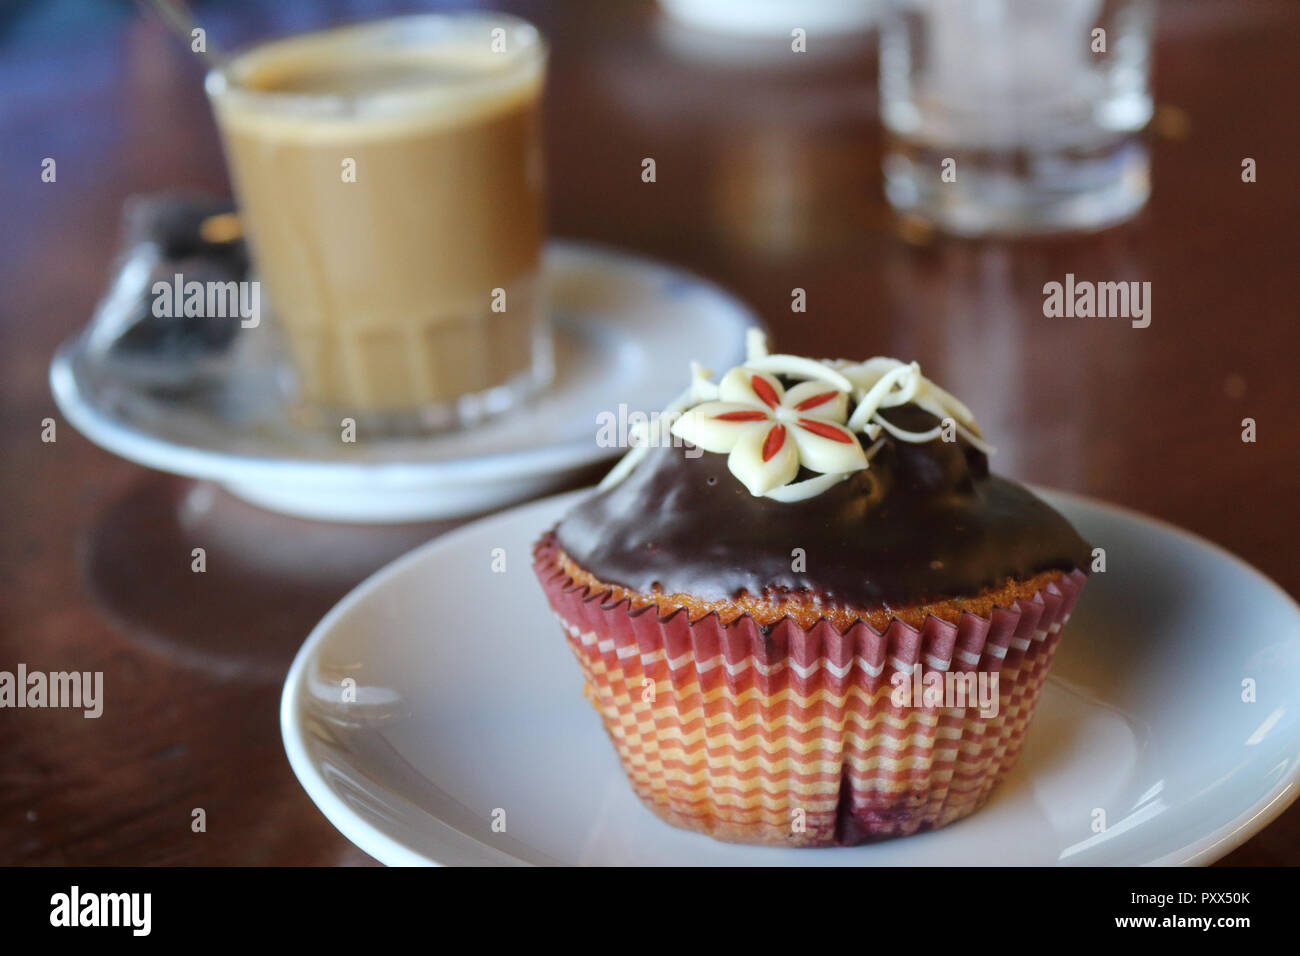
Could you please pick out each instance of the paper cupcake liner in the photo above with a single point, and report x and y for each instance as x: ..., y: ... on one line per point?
x: 798, y: 736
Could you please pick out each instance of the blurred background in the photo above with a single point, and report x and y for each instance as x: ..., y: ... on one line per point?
x: 768, y: 180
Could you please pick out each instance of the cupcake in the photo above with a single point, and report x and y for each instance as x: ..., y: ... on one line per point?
x: 806, y: 612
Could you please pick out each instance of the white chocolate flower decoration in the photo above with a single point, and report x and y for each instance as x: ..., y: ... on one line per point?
x: 768, y: 432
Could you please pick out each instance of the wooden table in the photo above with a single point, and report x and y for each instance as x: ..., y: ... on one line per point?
x: 767, y: 180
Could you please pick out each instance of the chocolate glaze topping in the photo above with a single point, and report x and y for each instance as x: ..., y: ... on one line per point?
x: 924, y: 522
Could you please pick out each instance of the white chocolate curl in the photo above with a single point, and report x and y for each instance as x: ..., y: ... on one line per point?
x: 769, y: 432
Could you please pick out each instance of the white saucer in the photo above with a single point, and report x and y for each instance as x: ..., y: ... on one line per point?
x: 621, y: 324
x: 468, y: 702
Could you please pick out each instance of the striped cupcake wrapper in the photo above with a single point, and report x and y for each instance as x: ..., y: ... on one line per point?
x: 798, y: 736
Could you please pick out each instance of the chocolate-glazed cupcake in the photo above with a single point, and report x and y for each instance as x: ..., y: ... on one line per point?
x: 811, y: 615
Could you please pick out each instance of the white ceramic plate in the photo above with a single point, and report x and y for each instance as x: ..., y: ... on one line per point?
x: 468, y: 702
x: 620, y: 322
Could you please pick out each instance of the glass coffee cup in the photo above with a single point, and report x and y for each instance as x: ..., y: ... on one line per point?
x: 389, y: 179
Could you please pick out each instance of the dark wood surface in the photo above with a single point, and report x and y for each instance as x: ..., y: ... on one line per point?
x: 768, y: 179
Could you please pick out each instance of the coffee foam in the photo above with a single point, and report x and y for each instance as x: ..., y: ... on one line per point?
x: 425, y: 71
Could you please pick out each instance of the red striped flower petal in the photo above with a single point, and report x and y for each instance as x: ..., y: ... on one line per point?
x: 773, y: 442
x: 763, y: 389
x: 827, y: 430
x: 754, y: 416
x: 816, y: 400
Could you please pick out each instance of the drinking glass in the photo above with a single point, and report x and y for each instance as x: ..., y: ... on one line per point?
x: 389, y: 178
x: 1016, y: 116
